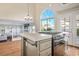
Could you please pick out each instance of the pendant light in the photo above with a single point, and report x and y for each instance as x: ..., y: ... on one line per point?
x: 28, y: 18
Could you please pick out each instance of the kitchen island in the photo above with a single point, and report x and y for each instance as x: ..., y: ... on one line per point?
x: 36, y: 44
x: 59, y: 42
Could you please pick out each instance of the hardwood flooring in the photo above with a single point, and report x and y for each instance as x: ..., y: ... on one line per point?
x: 13, y: 48
x: 72, y: 51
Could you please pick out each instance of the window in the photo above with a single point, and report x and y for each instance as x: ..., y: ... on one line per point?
x: 65, y: 25
x: 47, y: 20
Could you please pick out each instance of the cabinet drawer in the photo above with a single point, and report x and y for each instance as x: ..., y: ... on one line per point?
x: 45, y: 45
x: 46, y: 52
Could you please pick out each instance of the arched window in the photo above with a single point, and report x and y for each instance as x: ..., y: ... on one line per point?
x: 47, y: 20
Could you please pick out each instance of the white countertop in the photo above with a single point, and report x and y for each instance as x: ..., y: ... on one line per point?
x: 36, y: 36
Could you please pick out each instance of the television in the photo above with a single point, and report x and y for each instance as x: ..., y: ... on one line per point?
x: 78, y: 32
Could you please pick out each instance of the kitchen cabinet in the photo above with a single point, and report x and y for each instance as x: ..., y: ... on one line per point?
x: 59, y: 50
x: 36, y: 44
x: 58, y: 43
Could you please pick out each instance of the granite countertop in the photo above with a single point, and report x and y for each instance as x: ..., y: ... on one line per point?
x: 36, y: 36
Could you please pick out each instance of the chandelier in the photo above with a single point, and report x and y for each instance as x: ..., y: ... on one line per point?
x: 28, y: 18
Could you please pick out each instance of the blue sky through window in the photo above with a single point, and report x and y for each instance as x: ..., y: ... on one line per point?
x: 47, y: 13
x: 47, y: 20
x: 52, y: 21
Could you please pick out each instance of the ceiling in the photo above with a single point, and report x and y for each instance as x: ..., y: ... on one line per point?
x: 17, y: 11
x: 64, y: 6
x: 13, y: 11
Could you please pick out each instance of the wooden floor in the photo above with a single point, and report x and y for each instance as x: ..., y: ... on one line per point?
x: 72, y: 51
x: 10, y: 48
x: 14, y: 49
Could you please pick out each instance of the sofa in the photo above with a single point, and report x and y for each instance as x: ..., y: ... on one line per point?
x: 3, y: 37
